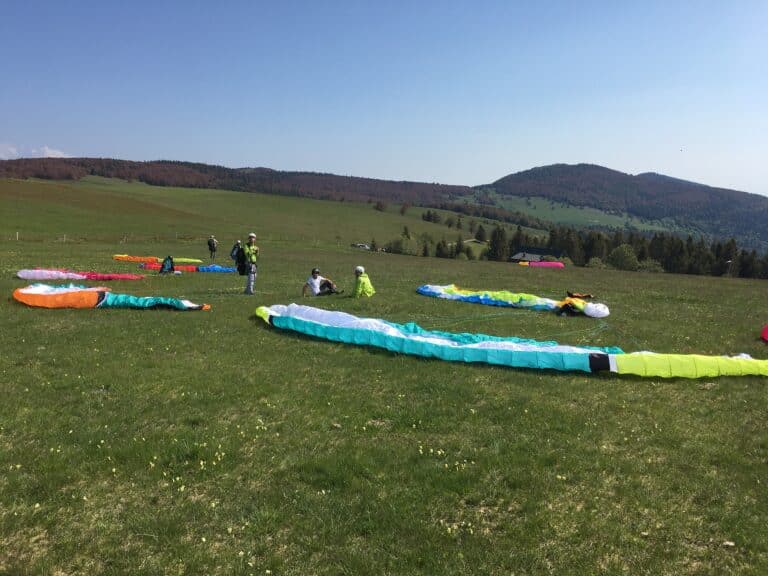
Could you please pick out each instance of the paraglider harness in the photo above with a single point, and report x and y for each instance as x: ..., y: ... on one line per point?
x: 167, y: 266
x: 238, y: 255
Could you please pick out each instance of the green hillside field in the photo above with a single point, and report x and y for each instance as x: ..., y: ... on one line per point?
x: 583, y: 217
x: 159, y: 442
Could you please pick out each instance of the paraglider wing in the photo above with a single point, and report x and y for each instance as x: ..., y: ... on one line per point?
x: 568, y: 305
x: 513, y: 352
x: 129, y: 258
x: 543, y: 264
x: 54, y: 274
x: 74, y: 296
x: 412, y: 339
x: 488, y: 297
x: 62, y: 296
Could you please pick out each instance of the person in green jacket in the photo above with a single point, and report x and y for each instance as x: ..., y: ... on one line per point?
x: 251, y: 258
x: 363, y: 286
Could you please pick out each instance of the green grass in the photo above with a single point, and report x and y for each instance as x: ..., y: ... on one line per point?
x: 154, y: 442
x: 582, y: 217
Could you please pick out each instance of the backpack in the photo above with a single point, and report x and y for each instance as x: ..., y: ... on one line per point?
x: 167, y: 266
x: 240, y: 261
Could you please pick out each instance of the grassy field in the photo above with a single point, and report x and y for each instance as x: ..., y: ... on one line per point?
x: 158, y: 442
x: 566, y: 215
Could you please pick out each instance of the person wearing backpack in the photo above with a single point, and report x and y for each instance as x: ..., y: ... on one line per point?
x: 167, y: 266
x: 213, y: 245
x: 250, y: 256
x: 236, y: 247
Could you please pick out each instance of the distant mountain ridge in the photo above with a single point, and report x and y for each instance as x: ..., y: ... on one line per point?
x: 714, y: 212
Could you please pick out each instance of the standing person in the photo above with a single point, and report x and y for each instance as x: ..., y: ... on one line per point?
x: 213, y: 245
x: 236, y: 247
x: 363, y: 286
x: 251, y: 257
x: 319, y: 285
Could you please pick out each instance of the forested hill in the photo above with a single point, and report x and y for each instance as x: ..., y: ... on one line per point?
x: 714, y: 211
x: 191, y: 175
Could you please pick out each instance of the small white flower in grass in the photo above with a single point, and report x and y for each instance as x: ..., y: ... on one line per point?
x: 203, y: 538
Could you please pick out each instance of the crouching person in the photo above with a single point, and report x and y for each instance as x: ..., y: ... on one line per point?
x: 363, y: 286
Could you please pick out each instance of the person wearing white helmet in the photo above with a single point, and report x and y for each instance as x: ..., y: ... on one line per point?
x: 251, y: 252
x: 363, y: 286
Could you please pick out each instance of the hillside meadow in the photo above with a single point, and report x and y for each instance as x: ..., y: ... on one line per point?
x: 160, y: 442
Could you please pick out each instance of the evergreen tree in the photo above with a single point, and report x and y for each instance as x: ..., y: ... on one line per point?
x: 762, y: 271
x: 617, y: 239
x: 459, y: 246
x: 518, y: 240
x: 595, y: 246
x: 573, y: 248
x: 498, y: 248
x: 656, y: 247
x: 730, y: 256
x: 480, y: 235
x: 676, y: 257
x: 441, y: 250
x: 747, y: 264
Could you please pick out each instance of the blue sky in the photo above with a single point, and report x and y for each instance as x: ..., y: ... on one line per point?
x: 450, y: 92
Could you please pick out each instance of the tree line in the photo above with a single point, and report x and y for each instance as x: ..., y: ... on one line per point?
x: 633, y: 251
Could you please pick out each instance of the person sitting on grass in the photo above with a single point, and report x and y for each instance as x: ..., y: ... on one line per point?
x: 318, y: 285
x: 363, y: 286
